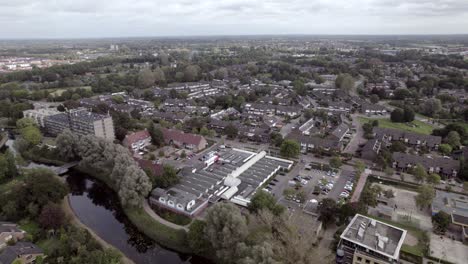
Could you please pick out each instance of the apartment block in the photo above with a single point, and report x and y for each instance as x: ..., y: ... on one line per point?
x: 369, y: 241
x: 81, y: 122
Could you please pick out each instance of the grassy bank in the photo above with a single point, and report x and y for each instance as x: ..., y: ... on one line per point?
x: 416, y: 126
x: 164, y: 235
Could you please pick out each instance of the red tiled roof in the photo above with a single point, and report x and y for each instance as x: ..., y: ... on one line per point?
x: 155, y: 168
x: 179, y: 136
x: 135, y: 137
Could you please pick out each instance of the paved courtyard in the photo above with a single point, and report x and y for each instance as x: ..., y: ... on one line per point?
x: 448, y: 249
x: 407, y: 210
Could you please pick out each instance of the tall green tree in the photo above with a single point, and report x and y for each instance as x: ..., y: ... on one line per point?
x: 425, y: 196
x: 225, y: 228
x: 290, y: 148
x: 453, y: 139
x: 441, y: 221
x: 419, y: 173
x: 157, y: 137
x: 327, y: 210
x: 345, y: 82
x: 263, y: 200
x: 335, y: 162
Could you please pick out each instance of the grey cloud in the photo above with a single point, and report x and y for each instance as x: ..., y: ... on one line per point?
x: 50, y: 18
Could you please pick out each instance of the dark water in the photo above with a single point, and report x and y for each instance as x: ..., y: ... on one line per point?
x: 98, y: 208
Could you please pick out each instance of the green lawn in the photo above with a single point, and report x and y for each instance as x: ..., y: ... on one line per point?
x: 29, y: 226
x: 59, y: 91
x: 171, y: 238
x: 415, y: 126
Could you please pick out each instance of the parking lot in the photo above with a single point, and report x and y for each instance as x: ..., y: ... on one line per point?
x: 303, y: 187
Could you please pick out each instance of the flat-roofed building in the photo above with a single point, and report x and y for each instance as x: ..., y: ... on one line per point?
x: 230, y: 174
x: 81, y: 122
x: 454, y: 204
x: 39, y: 115
x: 369, y: 241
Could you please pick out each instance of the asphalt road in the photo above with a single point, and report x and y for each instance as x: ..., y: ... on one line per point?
x: 358, y: 137
x: 340, y: 182
x: 287, y: 128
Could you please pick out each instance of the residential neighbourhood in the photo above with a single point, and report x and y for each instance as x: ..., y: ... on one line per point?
x: 243, y: 150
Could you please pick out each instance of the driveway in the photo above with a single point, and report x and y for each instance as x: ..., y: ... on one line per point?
x: 287, y: 128
x: 358, y: 137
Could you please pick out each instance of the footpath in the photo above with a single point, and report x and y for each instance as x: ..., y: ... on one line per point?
x: 156, y: 217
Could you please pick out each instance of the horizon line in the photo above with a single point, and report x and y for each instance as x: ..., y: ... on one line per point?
x: 238, y: 35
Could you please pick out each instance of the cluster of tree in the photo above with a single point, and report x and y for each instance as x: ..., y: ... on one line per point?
x: 13, y: 110
x: 106, y: 158
x: 260, y: 237
x: 330, y: 212
x: 426, y: 194
x: 226, y: 101
x: 39, y: 188
x: 265, y: 201
x: 76, y: 245
x: 369, y: 195
x: 290, y: 148
x: 402, y: 115
x: 167, y: 179
x: 402, y: 94
x: 36, y: 198
x: 276, y: 139
x: 29, y: 131
x: 431, y: 107
x: 345, y: 82
x: 384, y: 158
x: 441, y: 222
x: 283, y: 71
x: 368, y: 128
x: 454, y: 134
x: 8, y: 168
x: 157, y: 137
x: 420, y: 175
x: 335, y: 162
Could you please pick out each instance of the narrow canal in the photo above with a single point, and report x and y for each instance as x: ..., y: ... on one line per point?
x: 97, y: 207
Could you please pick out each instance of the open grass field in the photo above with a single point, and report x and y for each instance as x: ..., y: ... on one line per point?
x: 415, y: 126
x: 59, y: 91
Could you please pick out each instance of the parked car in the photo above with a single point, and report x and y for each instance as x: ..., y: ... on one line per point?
x: 344, y: 194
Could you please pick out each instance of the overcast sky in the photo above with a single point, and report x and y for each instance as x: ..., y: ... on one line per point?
x: 114, y: 18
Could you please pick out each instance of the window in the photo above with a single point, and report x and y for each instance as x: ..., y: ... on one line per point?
x: 359, y: 259
x: 367, y: 261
